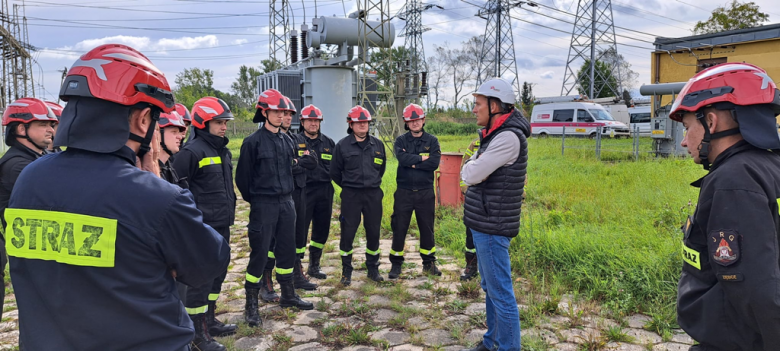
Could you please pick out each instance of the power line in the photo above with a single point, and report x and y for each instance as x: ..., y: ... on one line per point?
x: 105, y: 26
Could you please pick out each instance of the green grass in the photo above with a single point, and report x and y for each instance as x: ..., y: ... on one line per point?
x: 606, y: 229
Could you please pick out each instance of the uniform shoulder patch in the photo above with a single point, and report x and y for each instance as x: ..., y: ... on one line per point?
x: 302, y: 145
x: 724, y: 246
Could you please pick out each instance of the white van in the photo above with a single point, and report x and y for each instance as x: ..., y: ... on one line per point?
x: 640, y: 117
x: 579, y: 118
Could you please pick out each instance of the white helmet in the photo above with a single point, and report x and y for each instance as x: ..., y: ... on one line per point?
x: 499, y: 89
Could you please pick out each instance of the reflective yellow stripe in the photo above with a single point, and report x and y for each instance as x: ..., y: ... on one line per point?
x: 271, y: 255
x: 396, y: 253
x: 379, y: 161
x: 302, y: 146
x: 469, y: 152
x: 197, y: 310
x: 476, y: 143
x: 474, y: 250
x: 373, y: 253
x: 252, y: 279
x: 425, y: 154
x: 63, y: 237
x: 300, y: 250
x: 428, y: 252
x: 284, y: 270
x: 300, y: 152
x: 213, y: 297
x: 691, y: 257
x: 210, y: 161
x: 345, y: 253
x: 317, y: 245
x: 462, y: 183
x: 327, y: 157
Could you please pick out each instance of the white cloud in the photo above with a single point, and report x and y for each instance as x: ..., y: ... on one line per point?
x: 547, y: 75
x: 138, y: 43
x: 186, y: 43
x: 239, y: 42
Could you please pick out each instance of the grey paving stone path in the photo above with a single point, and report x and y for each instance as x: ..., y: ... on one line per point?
x: 414, y: 313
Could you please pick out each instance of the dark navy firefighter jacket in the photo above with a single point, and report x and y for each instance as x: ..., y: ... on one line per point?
x: 91, y: 254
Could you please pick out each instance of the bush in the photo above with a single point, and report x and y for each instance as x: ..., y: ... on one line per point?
x: 451, y: 128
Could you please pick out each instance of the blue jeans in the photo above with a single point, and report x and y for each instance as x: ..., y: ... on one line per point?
x: 503, y: 319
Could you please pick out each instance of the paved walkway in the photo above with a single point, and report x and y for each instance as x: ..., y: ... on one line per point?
x: 416, y: 312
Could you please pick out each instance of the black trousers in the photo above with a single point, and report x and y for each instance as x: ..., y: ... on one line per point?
x: 354, y: 203
x: 271, y: 219
x: 470, y: 241
x: 423, y: 204
x: 198, y: 298
x: 299, y: 197
x: 319, y: 208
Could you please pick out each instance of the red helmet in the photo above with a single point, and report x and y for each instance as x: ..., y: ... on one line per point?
x: 413, y: 112
x: 291, y: 106
x: 311, y: 112
x: 120, y: 74
x: 271, y: 99
x: 741, y: 84
x: 171, y: 119
x: 358, y: 114
x: 55, y: 107
x: 207, y: 109
x: 26, y: 110
x: 184, y: 113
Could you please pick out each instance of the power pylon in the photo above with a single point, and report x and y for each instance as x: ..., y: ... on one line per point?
x: 415, y: 80
x: 593, y: 36
x: 279, y: 27
x: 498, y: 49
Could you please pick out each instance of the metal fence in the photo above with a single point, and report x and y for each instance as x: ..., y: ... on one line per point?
x: 608, y: 147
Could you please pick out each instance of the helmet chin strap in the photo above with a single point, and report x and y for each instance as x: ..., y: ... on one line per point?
x: 27, y: 136
x: 267, y: 120
x: 147, y: 140
x: 704, y: 147
x: 162, y: 142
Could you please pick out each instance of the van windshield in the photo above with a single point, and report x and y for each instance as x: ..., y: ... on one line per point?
x: 601, y: 115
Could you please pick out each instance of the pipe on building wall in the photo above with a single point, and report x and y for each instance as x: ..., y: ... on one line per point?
x: 661, y: 89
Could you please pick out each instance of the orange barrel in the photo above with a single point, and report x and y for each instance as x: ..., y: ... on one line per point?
x: 448, y: 180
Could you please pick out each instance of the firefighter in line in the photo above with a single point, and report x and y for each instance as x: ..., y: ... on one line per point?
x: 57, y: 109
x: 470, y: 252
x: 359, y: 162
x: 306, y: 161
x: 125, y: 234
x: 172, y: 131
x: 264, y: 178
x: 418, y: 156
x: 29, y: 131
x: 185, y: 116
x: 319, y: 188
x: 206, y: 164
x: 727, y: 298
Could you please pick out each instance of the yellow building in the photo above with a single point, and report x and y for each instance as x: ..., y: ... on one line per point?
x: 679, y: 59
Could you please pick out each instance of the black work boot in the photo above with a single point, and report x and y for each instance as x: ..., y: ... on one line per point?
x: 216, y: 327
x: 373, y: 273
x: 471, y: 270
x: 291, y: 299
x: 267, y: 292
x: 300, y: 281
x: 314, y: 265
x: 251, y: 314
x: 430, y: 268
x: 203, y: 341
x: 478, y: 347
x: 395, y: 271
x: 346, y: 270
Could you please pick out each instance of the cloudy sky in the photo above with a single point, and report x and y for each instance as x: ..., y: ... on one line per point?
x: 222, y: 35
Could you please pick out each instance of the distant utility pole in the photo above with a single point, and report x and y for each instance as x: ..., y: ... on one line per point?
x: 498, y: 49
x: 279, y: 27
x: 416, y: 70
x: 593, y: 35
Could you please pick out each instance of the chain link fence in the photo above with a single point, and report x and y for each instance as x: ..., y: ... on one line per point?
x: 607, y: 146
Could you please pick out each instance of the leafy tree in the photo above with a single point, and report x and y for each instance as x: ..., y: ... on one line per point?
x: 628, y: 76
x: 437, y: 78
x: 245, y: 86
x: 270, y: 65
x: 737, y: 16
x: 603, y: 75
x: 193, y: 84
x: 527, y: 98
